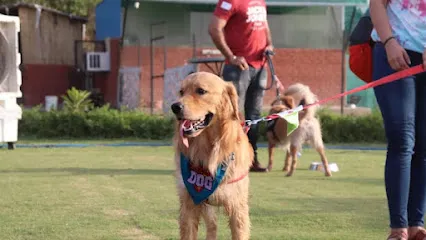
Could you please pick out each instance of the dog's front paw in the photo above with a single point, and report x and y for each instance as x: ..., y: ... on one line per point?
x: 289, y: 174
x: 328, y: 174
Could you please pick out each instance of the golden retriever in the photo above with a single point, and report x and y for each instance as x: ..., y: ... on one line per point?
x: 208, y: 139
x: 309, y: 129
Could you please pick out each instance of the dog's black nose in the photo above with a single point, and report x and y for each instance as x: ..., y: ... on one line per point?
x: 177, y: 108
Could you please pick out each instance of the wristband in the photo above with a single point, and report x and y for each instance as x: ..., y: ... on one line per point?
x: 232, y: 58
x: 387, y: 40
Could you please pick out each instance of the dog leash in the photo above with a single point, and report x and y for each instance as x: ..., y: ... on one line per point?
x: 387, y: 79
x: 274, y: 77
x: 390, y: 78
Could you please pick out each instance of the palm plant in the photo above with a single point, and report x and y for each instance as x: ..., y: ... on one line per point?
x: 77, y: 100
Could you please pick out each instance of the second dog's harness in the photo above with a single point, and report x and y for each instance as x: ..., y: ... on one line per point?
x: 199, y: 183
x: 270, y: 126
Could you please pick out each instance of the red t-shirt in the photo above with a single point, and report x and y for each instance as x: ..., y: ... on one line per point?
x: 245, y: 29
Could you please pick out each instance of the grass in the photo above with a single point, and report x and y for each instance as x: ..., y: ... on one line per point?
x: 129, y: 193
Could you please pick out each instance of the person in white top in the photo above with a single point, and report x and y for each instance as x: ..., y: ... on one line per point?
x: 400, y: 36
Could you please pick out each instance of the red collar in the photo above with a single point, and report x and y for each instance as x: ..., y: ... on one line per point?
x: 238, y: 179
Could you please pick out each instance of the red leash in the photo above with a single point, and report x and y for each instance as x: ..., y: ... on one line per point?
x: 390, y: 78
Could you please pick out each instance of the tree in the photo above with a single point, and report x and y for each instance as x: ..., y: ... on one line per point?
x: 76, y: 7
x: 84, y: 8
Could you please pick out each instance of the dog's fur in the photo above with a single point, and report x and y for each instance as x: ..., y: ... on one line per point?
x: 309, y: 129
x: 209, y: 148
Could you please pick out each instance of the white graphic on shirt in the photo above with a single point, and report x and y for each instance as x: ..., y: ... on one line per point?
x: 257, y: 16
x: 407, y: 19
x: 226, y: 5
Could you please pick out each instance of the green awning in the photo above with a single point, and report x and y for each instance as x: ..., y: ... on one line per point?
x: 273, y: 2
x: 316, y: 2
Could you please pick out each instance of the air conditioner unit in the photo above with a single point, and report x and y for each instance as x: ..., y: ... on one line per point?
x: 10, y: 79
x: 97, y: 61
x: 10, y: 75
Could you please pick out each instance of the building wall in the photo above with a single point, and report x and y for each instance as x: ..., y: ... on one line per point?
x: 308, y: 42
x: 50, y: 40
x: 40, y: 80
x: 318, y: 68
x: 314, y: 27
x: 139, y: 22
x: 300, y: 28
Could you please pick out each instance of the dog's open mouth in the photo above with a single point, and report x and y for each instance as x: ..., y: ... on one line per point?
x: 190, y: 127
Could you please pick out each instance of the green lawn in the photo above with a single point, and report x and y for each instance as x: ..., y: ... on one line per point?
x: 129, y: 193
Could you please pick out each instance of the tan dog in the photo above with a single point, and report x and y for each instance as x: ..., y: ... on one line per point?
x: 309, y: 128
x: 208, y: 122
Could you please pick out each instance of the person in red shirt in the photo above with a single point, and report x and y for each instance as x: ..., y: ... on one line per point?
x: 239, y: 29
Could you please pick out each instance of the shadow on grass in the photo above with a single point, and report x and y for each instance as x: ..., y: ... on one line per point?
x: 93, y: 171
x: 361, y: 180
x: 318, y: 205
x: 367, y: 213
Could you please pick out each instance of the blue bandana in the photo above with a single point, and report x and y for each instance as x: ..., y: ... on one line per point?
x: 198, y: 181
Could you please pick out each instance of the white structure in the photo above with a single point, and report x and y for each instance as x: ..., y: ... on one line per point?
x: 98, y: 61
x: 10, y: 79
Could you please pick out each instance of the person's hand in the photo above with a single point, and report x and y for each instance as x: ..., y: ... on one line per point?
x: 424, y: 59
x: 279, y: 84
x: 397, y: 56
x: 269, y: 48
x: 240, y: 62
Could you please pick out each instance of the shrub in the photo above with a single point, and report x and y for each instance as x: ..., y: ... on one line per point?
x: 112, y: 123
x: 98, y: 123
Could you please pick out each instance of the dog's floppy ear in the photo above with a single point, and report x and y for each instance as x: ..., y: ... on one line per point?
x: 288, y: 101
x: 233, y: 97
x: 276, y: 101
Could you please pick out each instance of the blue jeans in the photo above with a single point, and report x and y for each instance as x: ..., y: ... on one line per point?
x: 403, y: 107
x: 250, y: 95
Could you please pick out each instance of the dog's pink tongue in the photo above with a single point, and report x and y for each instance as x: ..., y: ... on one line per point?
x: 186, y: 123
x: 184, y: 139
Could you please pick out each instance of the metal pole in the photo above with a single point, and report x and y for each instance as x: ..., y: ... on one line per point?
x: 124, y: 21
x: 164, y: 47
x: 343, y: 76
x: 152, y: 40
x: 152, y: 71
x: 139, y: 53
x: 345, y: 42
x: 118, y: 92
x: 76, y: 53
x: 194, y: 46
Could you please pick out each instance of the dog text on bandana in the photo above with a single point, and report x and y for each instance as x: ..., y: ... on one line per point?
x: 199, y: 182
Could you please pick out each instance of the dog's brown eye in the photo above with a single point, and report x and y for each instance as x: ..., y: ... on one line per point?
x: 201, y: 91
x: 181, y: 92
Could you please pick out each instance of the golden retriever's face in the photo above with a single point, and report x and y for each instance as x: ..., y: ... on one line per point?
x: 204, y: 99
